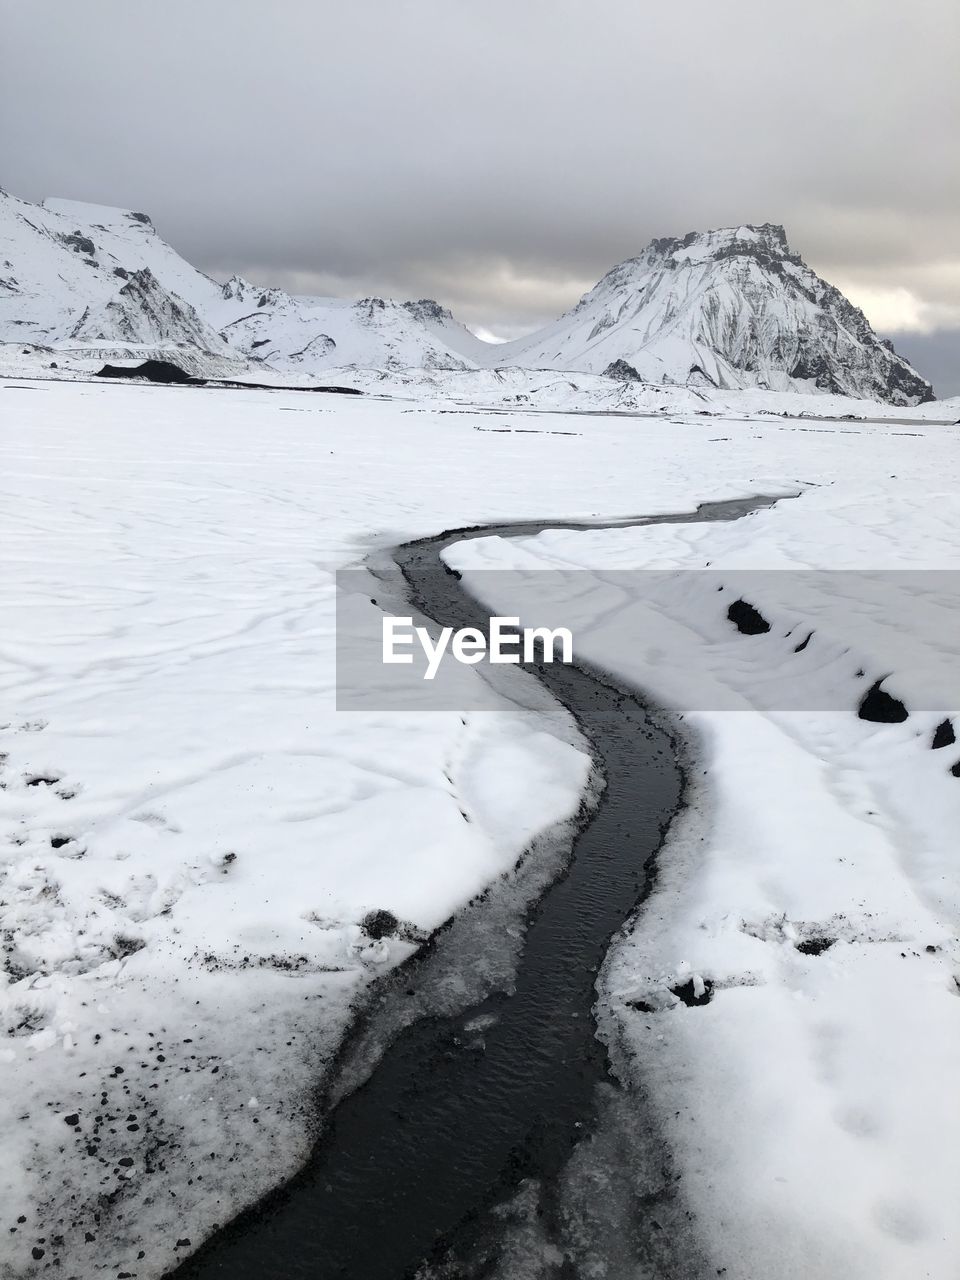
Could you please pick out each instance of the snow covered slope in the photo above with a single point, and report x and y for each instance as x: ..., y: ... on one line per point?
x: 730, y: 308
x: 73, y: 271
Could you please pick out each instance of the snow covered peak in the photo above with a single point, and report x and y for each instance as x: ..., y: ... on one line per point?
x: 237, y: 287
x: 426, y: 309
x: 701, y: 246
x: 98, y: 215
x: 764, y: 243
x: 729, y: 308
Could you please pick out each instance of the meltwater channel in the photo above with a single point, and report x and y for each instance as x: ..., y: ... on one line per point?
x: 437, y: 1134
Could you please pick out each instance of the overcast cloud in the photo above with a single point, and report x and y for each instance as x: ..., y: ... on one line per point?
x: 500, y: 155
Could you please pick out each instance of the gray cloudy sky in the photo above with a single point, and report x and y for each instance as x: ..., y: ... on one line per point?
x: 500, y: 155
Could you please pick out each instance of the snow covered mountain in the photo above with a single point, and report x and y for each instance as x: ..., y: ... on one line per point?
x: 73, y: 273
x: 727, y: 309
x: 313, y: 334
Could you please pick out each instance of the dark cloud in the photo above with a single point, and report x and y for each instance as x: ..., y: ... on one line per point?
x: 500, y: 155
x: 936, y: 356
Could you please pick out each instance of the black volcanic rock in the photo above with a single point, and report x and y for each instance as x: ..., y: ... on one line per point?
x: 622, y: 371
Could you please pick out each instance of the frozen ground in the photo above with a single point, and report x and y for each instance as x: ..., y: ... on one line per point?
x: 191, y: 835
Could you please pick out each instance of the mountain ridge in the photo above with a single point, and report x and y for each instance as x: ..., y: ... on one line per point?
x: 729, y: 308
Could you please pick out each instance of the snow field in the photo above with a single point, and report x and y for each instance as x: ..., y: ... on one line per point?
x: 167, y: 685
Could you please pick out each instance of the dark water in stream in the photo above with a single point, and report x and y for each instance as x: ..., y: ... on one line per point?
x: 451, y: 1120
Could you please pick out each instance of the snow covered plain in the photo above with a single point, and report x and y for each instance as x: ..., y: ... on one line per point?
x: 191, y: 834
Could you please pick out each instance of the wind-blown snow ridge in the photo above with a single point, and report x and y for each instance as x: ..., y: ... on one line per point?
x: 728, y: 309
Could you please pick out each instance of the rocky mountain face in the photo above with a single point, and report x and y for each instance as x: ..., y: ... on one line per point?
x: 143, y: 311
x: 726, y: 309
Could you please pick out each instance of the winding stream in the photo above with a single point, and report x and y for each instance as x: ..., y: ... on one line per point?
x: 453, y: 1118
